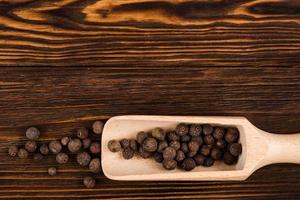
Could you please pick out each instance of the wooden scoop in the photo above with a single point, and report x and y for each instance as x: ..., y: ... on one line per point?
x: 259, y: 149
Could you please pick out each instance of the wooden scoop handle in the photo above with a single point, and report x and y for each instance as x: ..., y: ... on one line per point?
x: 282, y: 148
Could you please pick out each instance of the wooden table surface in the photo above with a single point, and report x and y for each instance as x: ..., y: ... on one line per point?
x: 102, y: 58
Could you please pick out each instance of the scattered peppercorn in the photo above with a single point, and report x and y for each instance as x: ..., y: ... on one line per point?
x: 219, y: 133
x: 89, y: 182
x: 143, y: 153
x: 199, y: 159
x: 83, y: 159
x: 169, y: 153
x: 195, y: 130
x: 114, y: 146
x: 125, y: 143
x: 98, y: 127
x: 13, y: 151
x: 32, y: 133
x: 95, y: 165
x: 180, y: 156
x: 235, y: 149
x: 158, y: 133
x: 30, y: 146
x: 127, y: 153
x: 37, y: 156
x: 172, y: 136
x: 74, y: 145
x: 231, y: 135
x: 44, y: 149
x: 141, y: 136
x: 65, y: 140
x: 182, y: 129
x: 208, y: 162
x: 207, y: 129
x: 158, y: 157
x: 52, y: 171
x: 175, y: 145
x: 82, y: 133
x: 188, y: 164
x: 95, y: 148
x: 161, y: 146
x: 55, y: 146
x: 133, y: 145
x: 169, y: 164
x: 62, y: 158
x: 22, y: 153
x: 150, y: 145
x: 86, y: 143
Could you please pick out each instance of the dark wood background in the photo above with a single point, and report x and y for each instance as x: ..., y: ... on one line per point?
x: 103, y: 58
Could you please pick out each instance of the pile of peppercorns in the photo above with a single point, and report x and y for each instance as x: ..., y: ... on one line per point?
x: 190, y: 145
x: 87, y: 150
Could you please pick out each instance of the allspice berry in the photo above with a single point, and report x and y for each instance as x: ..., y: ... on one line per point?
x: 169, y: 164
x: 44, y: 149
x: 207, y: 129
x: 37, y: 156
x: 95, y: 165
x: 86, y: 143
x: 62, y: 158
x: 158, y: 157
x: 208, y: 162
x: 216, y: 154
x: 199, y: 159
x: 30, y: 146
x: 232, y: 135
x: 133, y: 145
x: 55, y: 146
x: 125, y: 143
x: 141, y: 136
x: 195, y: 130
x: 32, y: 133
x: 158, y: 133
x: 82, y: 133
x: 144, y: 154
x: 13, y: 151
x: 175, y: 145
x: 127, y: 153
x: 161, y: 146
x: 52, y: 171
x: 229, y: 159
x: 180, y: 156
x: 235, y: 149
x: 89, y: 182
x: 219, y: 133
x: 83, y: 159
x: 193, y: 146
x: 182, y: 129
x: 150, y: 145
x: 22, y: 153
x: 95, y: 148
x: 98, y: 127
x: 172, y: 136
x: 114, y: 146
x: 169, y: 153
x: 188, y: 164
x: 65, y: 140
x: 74, y: 145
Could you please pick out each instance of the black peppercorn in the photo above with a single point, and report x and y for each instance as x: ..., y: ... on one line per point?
x: 141, y: 136
x: 175, y: 145
x: 158, y: 157
x: 219, y: 133
x: 125, y: 143
x: 62, y: 158
x: 235, y: 149
x: 191, y: 154
x: 143, y: 153
x: 199, y: 159
x: 180, y: 156
x: 65, y: 140
x: 158, y: 133
x: 133, y: 145
x: 169, y: 153
x: 221, y: 144
x: 32, y: 133
x: 195, y: 130
x: 207, y: 129
x: 193, y: 146
x: 127, y: 153
x: 83, y: 159
x: 172, y: 136
x: 229, y: 159
x: 74, y: 145
x: 114, y: 146
x: 184, y: 147
x: 44, y: 149
x: 231, y: 135
x: 55, y: 146
x: 161, y: 146
x: 208, y: 162
x: 216, y: 154
x: 150, y: 145
x: 209, y: 139
x: 98, y: 127
x: 13, y: 151
x: 82, y: 133
x: 89, y: 182
x: 37, y: 156
x: 169, y: 164
x: 182, y: 129
x: 86, y: 143
x: 95, y: 148
x: 185, y: 138
x: 95, y: 165
x: 197, y: 139
x: 188, y: 164
x: 30, y: 146
x: 205, y: 150
x: 52, y: 171
x: 22, y: 153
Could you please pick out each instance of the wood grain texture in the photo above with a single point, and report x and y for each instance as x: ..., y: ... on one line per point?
x: 57, y: 100
x: 150, y: 32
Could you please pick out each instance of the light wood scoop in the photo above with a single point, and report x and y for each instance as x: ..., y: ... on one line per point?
x: 259, y: 149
